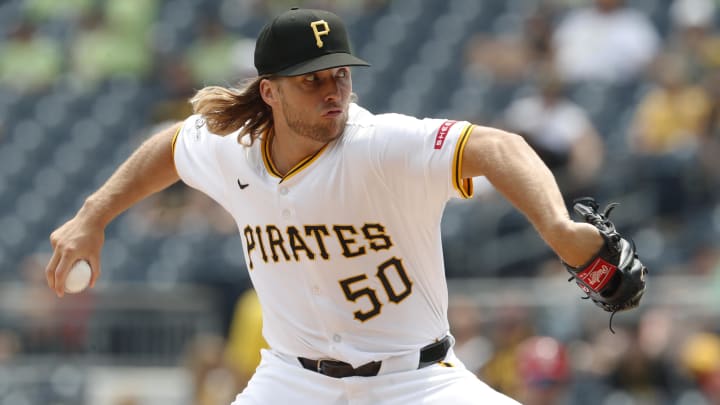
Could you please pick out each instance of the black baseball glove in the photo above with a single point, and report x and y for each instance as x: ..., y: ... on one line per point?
x: 615, y: 278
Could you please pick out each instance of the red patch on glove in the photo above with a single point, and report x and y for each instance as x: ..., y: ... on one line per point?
x: 597, y: 274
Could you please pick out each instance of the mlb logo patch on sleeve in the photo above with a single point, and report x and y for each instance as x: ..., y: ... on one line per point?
x: 199, y: 123
x: 442, y: 133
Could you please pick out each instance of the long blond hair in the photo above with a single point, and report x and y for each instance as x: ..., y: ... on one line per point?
x: 228, y: 109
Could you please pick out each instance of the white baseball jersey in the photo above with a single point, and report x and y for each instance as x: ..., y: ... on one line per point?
x: 344, y: 250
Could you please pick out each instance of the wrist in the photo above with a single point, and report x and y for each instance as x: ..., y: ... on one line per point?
x: 94, y: 211
x: 575, y: 242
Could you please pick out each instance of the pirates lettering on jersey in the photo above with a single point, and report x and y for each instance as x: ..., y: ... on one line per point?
x: 270, y: 243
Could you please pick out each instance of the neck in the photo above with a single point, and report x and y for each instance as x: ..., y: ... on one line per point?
x: 287, y: 149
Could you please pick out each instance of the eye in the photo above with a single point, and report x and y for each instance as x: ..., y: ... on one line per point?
x: 342, y: 73
x: 310, y: 78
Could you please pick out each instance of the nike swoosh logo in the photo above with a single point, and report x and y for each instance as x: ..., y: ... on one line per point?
x: 242, y: 186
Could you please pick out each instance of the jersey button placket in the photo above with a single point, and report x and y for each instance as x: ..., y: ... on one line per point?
x: 286, y: 212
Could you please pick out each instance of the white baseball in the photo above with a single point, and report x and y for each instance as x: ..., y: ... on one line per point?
x: 78, y: 277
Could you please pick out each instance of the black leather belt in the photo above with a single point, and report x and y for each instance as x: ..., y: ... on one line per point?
x: 429, y: 354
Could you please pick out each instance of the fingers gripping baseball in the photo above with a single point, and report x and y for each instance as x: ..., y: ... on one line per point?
x: 75, y: 240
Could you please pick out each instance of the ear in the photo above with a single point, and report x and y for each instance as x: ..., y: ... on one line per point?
x: 269, y: 92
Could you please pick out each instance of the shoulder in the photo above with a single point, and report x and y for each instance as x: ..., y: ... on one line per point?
x: 195, y: 128
x: 398, y: 130
x: 361, y: 117
x: 193, y: 125
x: 388, y: 124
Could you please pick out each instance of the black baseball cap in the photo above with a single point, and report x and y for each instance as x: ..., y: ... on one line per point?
x: 301, y: 41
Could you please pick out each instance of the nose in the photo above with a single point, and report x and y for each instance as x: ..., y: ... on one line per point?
x: 332, y: 90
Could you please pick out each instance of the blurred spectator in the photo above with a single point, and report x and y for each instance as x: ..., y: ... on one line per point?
x: 665, y: 133
x: 245, y: 337
x: 211, y: 57
x: 342, y: 7
x: 513, y: 55
x: 44, y: 10
x: 538, y: 32
x: 9, y: 345
x: 213, y: 382
x: 100, y: 51
x: 693, y: 36
x: 510, y: 328
x: 181, y: 209
x: 560, y: 131
x: 608, y: 42
x: 29, y: 62
x: 466, y: 327
x: 503, y: 58
x: 544, y: 369
x: 671, y: 116
x: 709, y: 149
x: 49, y: 325
x: 641, y: 370
x: 161, y: 214
x: 176, y: 88
x: 711, y: 128
x: 243, y: 59
x: 593, y: 358
x: 703, y: 258
x: 131, y: 18
x: 700, y: 356
x: 127, y: 400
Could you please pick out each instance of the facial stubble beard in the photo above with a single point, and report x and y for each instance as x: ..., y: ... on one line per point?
x: 316, y: 132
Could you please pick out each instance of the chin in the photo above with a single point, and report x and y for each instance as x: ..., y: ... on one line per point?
x: 340, y: 127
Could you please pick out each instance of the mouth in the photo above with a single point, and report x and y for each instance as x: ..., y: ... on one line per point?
x: 332, y: 113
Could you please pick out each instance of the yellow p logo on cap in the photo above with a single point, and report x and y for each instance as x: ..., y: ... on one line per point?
x: 319, y: 32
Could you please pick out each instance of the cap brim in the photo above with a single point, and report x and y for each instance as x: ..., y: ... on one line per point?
x: 328, y: 61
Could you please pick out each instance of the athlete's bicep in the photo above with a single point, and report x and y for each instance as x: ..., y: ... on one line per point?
x: 489, y: 150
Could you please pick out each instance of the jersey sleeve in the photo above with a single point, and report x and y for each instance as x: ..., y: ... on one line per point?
x: 194, y: 153
x: 427, y: 152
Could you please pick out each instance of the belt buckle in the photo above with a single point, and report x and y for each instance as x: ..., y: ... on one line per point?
x: 320, y: 367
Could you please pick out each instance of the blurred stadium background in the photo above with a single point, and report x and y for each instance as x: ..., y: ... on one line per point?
x: 621, y: 98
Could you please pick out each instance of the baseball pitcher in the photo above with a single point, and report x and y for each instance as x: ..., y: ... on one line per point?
x: 339, y: 212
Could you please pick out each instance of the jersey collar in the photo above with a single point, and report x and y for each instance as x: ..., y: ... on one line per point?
x: 270, y: 166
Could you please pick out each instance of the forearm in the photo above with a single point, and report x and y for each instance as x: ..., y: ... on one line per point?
x: 518, y: 173
x: 148, y: 170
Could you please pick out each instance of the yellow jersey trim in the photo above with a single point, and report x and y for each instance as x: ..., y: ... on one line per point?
x: 270, y: 166
x: 304, y: 163
x: 464, y: 186
x: 172, y: 145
